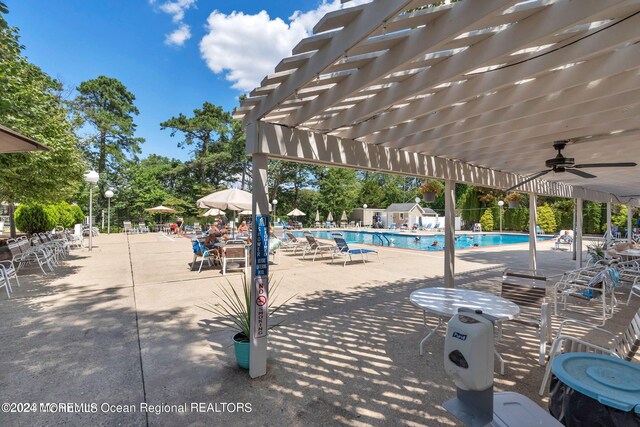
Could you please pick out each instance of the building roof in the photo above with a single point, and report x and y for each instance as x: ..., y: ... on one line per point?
x: 406, y: 207
x: 472, y: 91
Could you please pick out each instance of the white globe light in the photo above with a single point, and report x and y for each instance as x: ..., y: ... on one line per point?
x: 91, y: 177
x: 365, y: 206
x: 417, y: 199
x: 108, y: 194
x: 274, y: 201
x: 500, y: 203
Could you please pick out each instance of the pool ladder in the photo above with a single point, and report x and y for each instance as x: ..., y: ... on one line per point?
x: 382, y: 238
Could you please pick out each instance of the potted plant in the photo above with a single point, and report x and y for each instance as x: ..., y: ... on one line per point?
x: 234, y: 311
x: 514, y: 199
x: 597, y: 250
x: 430, y: 189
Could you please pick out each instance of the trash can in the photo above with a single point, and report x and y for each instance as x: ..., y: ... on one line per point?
x: 594, y: 390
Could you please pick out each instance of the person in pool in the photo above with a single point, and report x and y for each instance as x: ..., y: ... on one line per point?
x: 434, y: 244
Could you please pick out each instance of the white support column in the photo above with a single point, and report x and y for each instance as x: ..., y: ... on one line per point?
x: 629, y: 223
x: 259, y: 267
x: 578, y: 237
x: 533, y: 221
x: 449, y: 232
x: 607, y: 234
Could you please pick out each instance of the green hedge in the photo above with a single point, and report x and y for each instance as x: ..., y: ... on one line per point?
x: 34, y: 218
x: 37, y: 218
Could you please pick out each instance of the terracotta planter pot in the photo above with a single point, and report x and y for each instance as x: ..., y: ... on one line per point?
x: 429, y: 197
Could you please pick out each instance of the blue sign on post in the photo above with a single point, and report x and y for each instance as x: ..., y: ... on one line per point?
x: 261, y: 278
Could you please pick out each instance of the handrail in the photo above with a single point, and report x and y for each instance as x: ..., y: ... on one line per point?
x: 381, y: 236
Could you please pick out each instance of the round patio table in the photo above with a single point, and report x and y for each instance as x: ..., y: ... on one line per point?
x: 445, y: 302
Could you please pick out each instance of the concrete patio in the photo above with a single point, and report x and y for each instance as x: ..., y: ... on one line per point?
x: 122, y: 325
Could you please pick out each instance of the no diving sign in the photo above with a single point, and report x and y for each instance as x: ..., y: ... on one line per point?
x: 261, y: 318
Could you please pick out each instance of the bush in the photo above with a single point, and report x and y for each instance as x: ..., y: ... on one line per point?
x: 78, y: 215
x: 546, y: 219
x: 486, y: 220
x: 34, y: 218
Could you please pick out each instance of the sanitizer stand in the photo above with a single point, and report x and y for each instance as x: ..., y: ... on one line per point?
x: 468, y: 359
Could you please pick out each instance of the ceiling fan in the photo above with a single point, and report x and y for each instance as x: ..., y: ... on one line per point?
x: 561, y: 163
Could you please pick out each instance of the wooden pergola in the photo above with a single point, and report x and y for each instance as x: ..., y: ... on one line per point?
x: 474, y: 91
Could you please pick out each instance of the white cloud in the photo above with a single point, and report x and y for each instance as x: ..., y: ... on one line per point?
x: 179, y: 36
x: 176, y: 9
x: 245, y: 48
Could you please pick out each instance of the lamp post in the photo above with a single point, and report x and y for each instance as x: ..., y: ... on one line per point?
x: 91, y: 178
x: 501, y: 204
x: 108, y: 194
x: 275, y: 205
x: 364, y: 208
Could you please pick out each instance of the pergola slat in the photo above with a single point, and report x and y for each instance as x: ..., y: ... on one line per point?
x: 555, y: 18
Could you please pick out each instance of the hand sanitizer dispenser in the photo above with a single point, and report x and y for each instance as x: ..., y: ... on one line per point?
x: 468, y: 359
x: 468, y: 351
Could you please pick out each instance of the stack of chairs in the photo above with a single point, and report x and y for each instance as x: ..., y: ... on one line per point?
x: 597, y: 282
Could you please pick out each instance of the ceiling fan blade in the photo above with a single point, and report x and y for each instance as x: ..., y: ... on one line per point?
x: 607, y: 165
x: 579, y: 173
x: 531, y: 178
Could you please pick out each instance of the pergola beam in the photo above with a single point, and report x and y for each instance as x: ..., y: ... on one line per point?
x: 420, y: 41
x: 309, y: 147
x: 358, y: 29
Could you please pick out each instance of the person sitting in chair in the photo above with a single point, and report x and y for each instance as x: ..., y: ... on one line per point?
x: 243, y: 228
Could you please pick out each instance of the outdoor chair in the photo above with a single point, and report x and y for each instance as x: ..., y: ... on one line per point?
x: 588, y: 284
x: 23, y: 254
x: 127, y: 227
x: 235, y: 251
x: 528, y: 289
x: 142, y: 227
x: 345, y: 251
x: 205, y: 254
x: 316, y: 247
x: 4, y: 282
x: 9, y: 271
x: 292, y: 242
x: 624, y: 347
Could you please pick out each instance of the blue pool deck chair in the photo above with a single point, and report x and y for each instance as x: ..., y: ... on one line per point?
x: 344, y: 251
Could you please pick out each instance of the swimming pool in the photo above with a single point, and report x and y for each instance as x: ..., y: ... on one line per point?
x: 408, y: 240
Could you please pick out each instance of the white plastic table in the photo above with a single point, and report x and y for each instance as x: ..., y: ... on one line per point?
x: 445, y: 302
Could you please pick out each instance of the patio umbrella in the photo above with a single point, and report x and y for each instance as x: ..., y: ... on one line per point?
x: 344, y: 216
x: 161, y: 209
x: 330, y: 217
x: 317, y: 215
x: 212, y: 212
x: 12, y: 142
x: 232, y: 199
x: 296, y: 212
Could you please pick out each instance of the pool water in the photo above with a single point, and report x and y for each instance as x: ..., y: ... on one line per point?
x: 425, y: 243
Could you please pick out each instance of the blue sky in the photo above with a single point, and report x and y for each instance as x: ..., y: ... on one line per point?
x: 172, y: 54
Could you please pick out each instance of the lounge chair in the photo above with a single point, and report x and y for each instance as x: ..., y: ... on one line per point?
x: 345, y: 251
x: 292, y: 242
x: 594, y: 283
x: 316, y: 247
x: 205, y: 254
x: 624, y: 347
x: 564, y: 238
x: 142, y: 227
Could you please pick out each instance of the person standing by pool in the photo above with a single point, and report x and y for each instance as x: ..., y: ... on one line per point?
x: 179, y: 222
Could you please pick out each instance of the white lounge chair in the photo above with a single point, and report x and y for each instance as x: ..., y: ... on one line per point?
x: 624, y: 347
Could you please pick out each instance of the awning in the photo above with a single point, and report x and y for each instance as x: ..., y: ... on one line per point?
x: 12, y: 142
